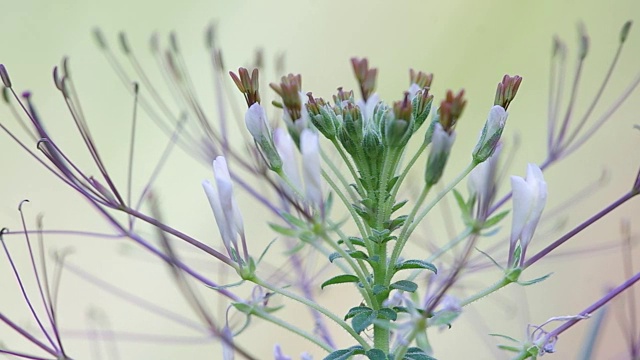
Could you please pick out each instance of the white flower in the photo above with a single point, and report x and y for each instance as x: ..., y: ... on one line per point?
x: 256, y: 120
x: 286, y: 149
x: 529, y: 198
x: 223, y: 204
x: 311, y: 171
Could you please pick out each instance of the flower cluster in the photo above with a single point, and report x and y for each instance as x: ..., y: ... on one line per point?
x: 352, y: 152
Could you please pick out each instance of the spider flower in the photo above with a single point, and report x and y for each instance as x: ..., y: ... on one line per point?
x: 529, y: 198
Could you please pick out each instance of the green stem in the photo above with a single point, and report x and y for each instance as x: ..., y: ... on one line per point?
x: 346, y: 160
x: 488, y: 291
x: 457, y: 240
x: 400, y: 242
x: 338, y: 174
x: 404, y: 173
x: 440, y: 195
x: 401, y: 350
x: 368, y: 292
x: 294, y: 329
x: 347, y: 205
x: 256, y: 280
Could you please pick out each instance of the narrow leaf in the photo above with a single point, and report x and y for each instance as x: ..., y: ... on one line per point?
x: 404, y: 285
x: 415, y: 264
x: 340, y: 279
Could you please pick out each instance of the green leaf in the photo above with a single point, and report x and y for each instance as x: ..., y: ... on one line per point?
x: 294, y: 220
x: 404, y: 285
x: 354, y: 240
x: 379, y: 289
x: 363, y: 320
x: 355, y: 311
x: 376, y: 354
x: 444, y: 317
x: 415, y: 353
x: 389, y: 314
x: 398, y: 205
x: 243, y: 308
x: 509, y: 348
x: 534, y: 281
x: 397, y: 222
x: 334, y: 256
x: 284, y: 230
x: 345, y: 354
x: 392, y: 183
x: 460, y: 200
x: 505, y: 337
x: 495, y: 219
x: 264, y: 252
x: 357, y: 254
x: 415, y: 264
x: 340, y: 279
x: 490, y: 258
x: 328, y: 205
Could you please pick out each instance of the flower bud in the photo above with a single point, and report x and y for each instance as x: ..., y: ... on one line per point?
x: 421, y: 104
x: 529, y: 199
x: 490, y: 134
x: 399, y: 127
x: 256, y: 120
x: 323, y: 117
x: 225, y: 209
x: 441, y: 144
x: 507, y: 90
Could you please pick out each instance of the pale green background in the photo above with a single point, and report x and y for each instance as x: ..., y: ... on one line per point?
x: 468, y: 44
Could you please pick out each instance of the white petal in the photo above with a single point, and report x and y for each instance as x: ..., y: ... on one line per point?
x: 256, y: 120
x: 221, y: 221
x: 286, y: 148
x: 496, y: 120
x: 311, y: 171
x: 522, y: 203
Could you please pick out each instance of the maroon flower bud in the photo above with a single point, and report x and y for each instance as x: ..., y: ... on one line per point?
x: 247, y: 84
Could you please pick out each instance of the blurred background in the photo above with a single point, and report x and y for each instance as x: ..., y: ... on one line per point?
x: 466, y: 44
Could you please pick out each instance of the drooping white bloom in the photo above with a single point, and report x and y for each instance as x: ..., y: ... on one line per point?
x: 529, y: 199
x: 311, y: 171
x: 223, y: 204
x: 286, y: 149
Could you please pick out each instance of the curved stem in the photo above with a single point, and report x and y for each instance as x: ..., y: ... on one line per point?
x: 314, y: 306
x: 291, y: 328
